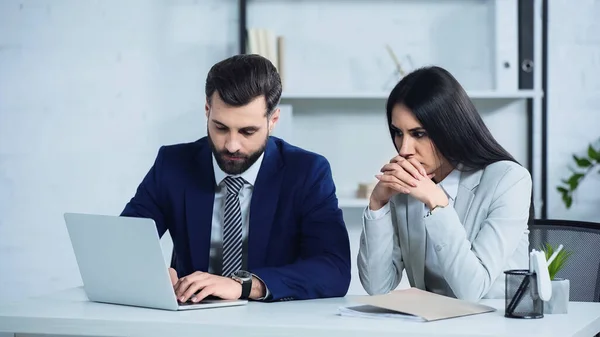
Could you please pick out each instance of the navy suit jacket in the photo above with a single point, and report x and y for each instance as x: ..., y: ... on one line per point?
x: 297, y: 241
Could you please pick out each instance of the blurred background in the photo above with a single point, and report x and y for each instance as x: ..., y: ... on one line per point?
x: 89, y: 90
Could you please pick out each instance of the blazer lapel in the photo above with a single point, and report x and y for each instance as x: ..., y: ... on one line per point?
x: 263, y: 205
x: 199, y: 203
x: 464, y: 198
x: 468, y: 181
x: 417, y: 235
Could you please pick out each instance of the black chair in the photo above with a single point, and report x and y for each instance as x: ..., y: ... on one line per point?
x: 583, y: 267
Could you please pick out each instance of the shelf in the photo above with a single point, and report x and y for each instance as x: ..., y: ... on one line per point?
x: 474, y: 94
x: 352, y: 202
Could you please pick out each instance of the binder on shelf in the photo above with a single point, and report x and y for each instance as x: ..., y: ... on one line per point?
x: 526, y: 43
x: 506, y: 36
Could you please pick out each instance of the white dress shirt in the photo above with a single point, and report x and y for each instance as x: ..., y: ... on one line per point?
x: 216, y: 237
x: 433, y: 278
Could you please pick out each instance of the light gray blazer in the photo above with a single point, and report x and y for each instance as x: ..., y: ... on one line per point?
x: 484, y: 234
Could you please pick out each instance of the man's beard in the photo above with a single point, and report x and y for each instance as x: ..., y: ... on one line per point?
x: 237, y: 166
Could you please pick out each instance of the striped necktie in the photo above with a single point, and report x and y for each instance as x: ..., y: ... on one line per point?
x: 232, y: 227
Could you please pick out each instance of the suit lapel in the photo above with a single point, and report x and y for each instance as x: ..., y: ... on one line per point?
x: 464, y: 198
x: 416, y: 232
x: 263, y: 205
x: 199, y: 203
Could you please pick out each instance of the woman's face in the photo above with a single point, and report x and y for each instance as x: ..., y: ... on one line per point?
x: 412, y: 140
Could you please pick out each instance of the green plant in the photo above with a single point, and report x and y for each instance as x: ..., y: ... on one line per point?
x: 559, y: 261
x: 585, y: 165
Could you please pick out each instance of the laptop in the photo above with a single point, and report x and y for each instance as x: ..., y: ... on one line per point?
x: 121, y: 262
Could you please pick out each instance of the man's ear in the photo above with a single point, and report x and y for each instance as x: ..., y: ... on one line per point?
x: 273, y: 120
x: 206, y: 109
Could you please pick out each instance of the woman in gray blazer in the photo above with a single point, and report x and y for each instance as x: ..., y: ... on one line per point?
x: 452, y: 209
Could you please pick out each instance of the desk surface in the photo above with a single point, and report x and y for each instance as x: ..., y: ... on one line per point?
x: 70, y: 312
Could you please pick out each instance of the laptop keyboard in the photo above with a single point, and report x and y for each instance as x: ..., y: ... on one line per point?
x: 208, y: 299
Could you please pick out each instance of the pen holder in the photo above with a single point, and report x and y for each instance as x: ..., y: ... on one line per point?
x: 521, y: 295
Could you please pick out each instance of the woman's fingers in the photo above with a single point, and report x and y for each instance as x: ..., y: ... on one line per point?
x: 418, y: 166
x: 394, y: 183
x: 411, y: 166
x: 400, y: 173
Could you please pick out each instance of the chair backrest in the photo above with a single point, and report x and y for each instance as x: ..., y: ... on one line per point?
x: 583, y: 267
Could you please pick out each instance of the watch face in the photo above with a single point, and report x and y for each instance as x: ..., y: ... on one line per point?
x: 242, y: 274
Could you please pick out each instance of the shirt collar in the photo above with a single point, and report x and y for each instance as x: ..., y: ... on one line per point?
x: 249, y: 175
x: 450, y: 184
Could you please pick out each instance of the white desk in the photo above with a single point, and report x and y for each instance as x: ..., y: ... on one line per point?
x: 69, y: 313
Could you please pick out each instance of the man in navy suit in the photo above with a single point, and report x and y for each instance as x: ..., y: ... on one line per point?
x: 250, y: 215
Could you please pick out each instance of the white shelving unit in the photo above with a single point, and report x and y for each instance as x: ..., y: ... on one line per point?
x: 346, y: 201
x: 337, y: 73
x: 487, y: 94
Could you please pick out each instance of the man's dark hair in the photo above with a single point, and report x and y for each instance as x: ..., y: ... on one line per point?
x: 242, y: 78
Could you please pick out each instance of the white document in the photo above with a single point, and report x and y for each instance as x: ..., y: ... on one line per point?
x: 415, y: 304
x: 369, y: 311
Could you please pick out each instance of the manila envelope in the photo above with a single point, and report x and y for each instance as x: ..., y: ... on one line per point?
x: 424, y: 304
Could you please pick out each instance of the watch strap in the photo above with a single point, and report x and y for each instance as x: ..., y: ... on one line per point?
x: 246, y: 288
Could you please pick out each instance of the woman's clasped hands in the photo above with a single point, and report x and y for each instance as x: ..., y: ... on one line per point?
x: 407, y: 176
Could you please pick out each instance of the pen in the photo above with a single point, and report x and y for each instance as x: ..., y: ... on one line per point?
x: 560, y: 247
x: 525, y: 284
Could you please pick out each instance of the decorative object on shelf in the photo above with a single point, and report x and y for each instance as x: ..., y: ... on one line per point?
x: 364, y: 190
x: 585, y: 165
x: 400, y: 71
x: 263, y: 42
x: 559, y: 302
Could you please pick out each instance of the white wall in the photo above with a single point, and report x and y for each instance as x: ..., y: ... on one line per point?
x: 89, y: 90
x: 339, y: 46
x: 573, y: 102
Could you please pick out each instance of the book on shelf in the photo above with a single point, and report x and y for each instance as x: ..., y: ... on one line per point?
x: 264, y: 42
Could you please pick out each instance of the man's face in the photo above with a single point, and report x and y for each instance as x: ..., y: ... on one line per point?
x: 238, y: 135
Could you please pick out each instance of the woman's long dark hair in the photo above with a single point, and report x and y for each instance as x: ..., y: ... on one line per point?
x: 450, y: 119
x: 446, y: 112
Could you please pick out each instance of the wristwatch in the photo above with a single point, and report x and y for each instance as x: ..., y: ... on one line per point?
x: 245, y: 279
